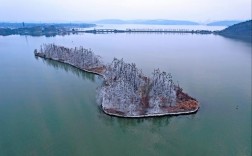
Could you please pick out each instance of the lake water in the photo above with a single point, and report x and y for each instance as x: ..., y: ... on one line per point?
x: 48, y: 108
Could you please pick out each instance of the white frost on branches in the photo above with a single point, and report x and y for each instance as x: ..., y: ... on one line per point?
x: 122, y: 88
x: 79, y: 57
x: 162, y: 91
x: 126, y: 89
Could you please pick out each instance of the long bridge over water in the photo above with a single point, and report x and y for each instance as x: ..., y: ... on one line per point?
x: 101, y: 31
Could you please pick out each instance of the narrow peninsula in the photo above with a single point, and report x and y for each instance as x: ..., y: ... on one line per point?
x: 126, y: 91
x: 241, y: 31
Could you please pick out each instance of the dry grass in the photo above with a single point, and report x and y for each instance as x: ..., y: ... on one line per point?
x: 99, y: 70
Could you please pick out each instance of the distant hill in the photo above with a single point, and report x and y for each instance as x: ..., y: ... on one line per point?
x: 168, y: 22
x: 241, y: 30
x: 111, y: 21
x: 223, y: 23
x: 147, y: 22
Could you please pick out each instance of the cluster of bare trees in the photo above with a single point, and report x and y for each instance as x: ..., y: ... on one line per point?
x: 118, y: 70
x: 123, y: 83
x: 79, y: 57
x: 162, y: 92
x: 126, y: 88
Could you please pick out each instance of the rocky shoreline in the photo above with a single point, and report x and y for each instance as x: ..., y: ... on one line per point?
x: 126, y: 92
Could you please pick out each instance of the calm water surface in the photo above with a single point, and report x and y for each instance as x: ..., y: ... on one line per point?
x: 48, y: 108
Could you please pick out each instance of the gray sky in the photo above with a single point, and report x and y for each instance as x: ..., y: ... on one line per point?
x: 89, y: 10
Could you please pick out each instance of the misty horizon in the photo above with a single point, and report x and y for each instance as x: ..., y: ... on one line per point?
x: 126, y: 20
x: 88, y: 11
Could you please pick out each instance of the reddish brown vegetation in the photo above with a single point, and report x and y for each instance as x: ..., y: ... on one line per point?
x: 188, y: 105
x: 98, y: 70
x: 181, y: 96
x: 145, y: 102
x: 185, y: 102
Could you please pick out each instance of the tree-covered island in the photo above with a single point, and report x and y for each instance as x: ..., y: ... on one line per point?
x: 126, y: 91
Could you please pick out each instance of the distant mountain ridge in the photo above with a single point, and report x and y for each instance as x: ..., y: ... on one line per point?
x: 147, y: 22
x: 224, y: 23
x: 241, y: 30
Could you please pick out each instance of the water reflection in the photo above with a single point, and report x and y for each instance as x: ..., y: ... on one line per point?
x: 68, y: 68
x: 240, y: 39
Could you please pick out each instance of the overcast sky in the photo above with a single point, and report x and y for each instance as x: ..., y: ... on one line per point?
x: 89, y: 10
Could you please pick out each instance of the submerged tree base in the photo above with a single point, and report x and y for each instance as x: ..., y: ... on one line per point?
x: 126, y: 92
